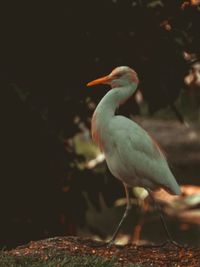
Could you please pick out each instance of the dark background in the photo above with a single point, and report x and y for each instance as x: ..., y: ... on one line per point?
x: 49, y: 51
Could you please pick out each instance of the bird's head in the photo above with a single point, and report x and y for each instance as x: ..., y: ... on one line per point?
x: 120, y: 76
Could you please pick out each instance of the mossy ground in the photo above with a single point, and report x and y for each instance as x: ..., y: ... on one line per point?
x: 62, y: 260
x: 84, y: 252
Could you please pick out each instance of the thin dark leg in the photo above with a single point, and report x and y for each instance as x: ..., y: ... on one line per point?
x: 169, y: 237
x: 128, y: 207
x: 177, y: 113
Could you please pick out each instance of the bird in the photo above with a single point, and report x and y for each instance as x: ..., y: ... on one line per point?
x: 131, y: 153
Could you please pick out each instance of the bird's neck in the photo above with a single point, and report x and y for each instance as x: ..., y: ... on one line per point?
x: 107, y: 107
x: 114, y: 98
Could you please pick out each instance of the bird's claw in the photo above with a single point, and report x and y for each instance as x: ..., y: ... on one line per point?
x: 176, y: 244
x: 97, y: 244
x: 167, y: 242
x: 172, y: 242
x: 110, y: 243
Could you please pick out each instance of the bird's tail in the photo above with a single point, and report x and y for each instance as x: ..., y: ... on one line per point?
x: 173, y: 188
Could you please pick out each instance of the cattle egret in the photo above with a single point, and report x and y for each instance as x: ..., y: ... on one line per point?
x: 132, y: 155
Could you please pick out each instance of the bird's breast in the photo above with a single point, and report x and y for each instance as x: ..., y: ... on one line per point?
x: 100, y: 130
x: 95, y: 130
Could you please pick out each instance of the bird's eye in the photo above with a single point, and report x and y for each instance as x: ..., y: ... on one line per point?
x: 117, y: 76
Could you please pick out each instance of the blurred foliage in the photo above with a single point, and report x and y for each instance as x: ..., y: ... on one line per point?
x: 49, y: 52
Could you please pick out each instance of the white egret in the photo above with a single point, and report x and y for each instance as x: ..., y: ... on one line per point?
x: 132, y: 155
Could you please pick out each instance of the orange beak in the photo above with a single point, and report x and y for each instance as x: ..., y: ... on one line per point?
x: 102, y: 80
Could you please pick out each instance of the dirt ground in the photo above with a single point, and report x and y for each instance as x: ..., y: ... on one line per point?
x: 167, y: 255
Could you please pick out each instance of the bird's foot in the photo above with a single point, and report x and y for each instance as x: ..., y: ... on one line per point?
x: 110, y: 243
x: 97, y: 244
x: 174, y: 243
x: 163, y: 244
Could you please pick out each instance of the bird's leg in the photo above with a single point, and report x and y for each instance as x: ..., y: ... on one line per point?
x: 138, y: 229
x: 178, y: 114
x: 128, y: 208
x: 161, y: 215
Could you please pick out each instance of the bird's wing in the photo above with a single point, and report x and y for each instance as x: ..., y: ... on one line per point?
x: 140, y: 154
x: 133, y: 137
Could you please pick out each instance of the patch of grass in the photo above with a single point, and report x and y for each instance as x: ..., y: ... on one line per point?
x: 64, y: 260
